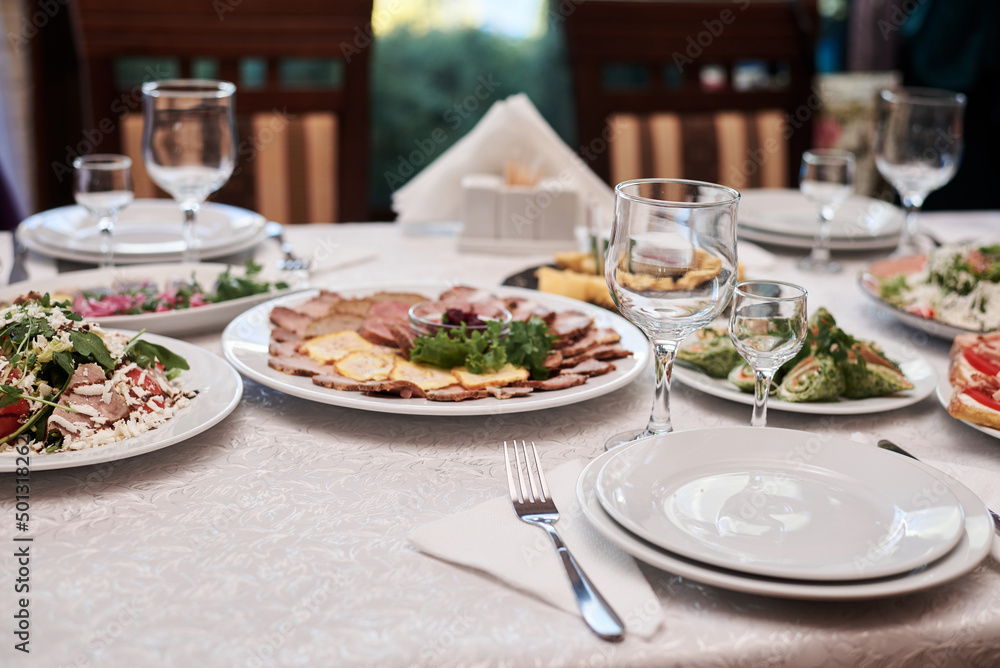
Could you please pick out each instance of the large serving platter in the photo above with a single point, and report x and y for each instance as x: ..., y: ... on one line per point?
x: 219, y: 390
x: 915, y: 367
x: 183, y: 322
x: 785, y: 217
x: 245, y: 344
x: 149, y: 230
x: 972, y: 548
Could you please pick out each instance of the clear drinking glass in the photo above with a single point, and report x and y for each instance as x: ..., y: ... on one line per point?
x: 671, y: 268
x: 189, y: 143
x: 767, y: 324
x: 102, y: 184
x: 826, y: 178
x: 918, y: 147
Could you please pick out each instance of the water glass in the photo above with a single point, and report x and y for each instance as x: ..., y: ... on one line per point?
x: 826, y: 178
x: 102, y: 184
x: 918, y: 147
x: 189, y: 143
x: 767, y: 324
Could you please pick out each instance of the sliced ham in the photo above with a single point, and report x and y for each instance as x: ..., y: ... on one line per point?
x: 280, y: 334
x: 594, y: 337
x: 569, y: 326
x: 403, y: 335
x: 86, y: 374
x: 377, y: 331
x: 391, y: 310
x: 87, y: 407
x: 455, y: 393
x: 463, y: 293
x: 282, y: 348
x: 404, y: 388
x: 560, y: 382
x: 609, y: 352
x: 290, y: 320
x: 523, y: 309
x: 296, y: 364
x: 553, y: 360
x: 319, y: 306
x: 335, y: 381
x: 509, y: 392
x: 589, y: 367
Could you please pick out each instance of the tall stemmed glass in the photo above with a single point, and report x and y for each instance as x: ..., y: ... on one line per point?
x: 767, y: 324
x: 918, y: 146
x: 102, y: 184
x: 826, y: 178
x: 671, y: 268
x: 189, y: 144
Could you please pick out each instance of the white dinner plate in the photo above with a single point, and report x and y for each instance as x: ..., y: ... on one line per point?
x: 971, y: 549
x: 183, y: 322
x: 149, y: 230
x: 219, y: 391
x: 869, y: 286
x: 915, y: 367
x: 784, y: 217
x: 245, y: 343
x: 944, y: 394
x: 753, y: 501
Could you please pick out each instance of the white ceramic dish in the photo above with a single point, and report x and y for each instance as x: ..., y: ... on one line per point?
x: 212, y: 317
x: 245, y: 343
x: 915, y: 367
x: 972, y: 548
x: 149, y: 230
x: 752, y: 503
x: 219, y: 391
x: 784, y: 217
x: 944, y: 394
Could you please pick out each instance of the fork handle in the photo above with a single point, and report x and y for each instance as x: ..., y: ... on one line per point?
x: 598, y: 614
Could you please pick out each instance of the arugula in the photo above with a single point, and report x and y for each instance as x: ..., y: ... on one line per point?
x: 229, y: 287
x: 527, y: 344
x: 90, y: 346
x: 145, y: 354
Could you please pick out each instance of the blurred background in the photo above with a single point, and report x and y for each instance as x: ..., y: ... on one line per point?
x: 406, y: 79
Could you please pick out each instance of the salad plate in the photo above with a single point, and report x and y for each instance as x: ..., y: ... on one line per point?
x: 149, y: 230
x: 944, y: 394
x: 219, y: 391
x: 972, y: 547
x: 755, y: 505
x: 915, y: 367
x: 245, y: 344
x: 180, y: 322
x: 784, y: 217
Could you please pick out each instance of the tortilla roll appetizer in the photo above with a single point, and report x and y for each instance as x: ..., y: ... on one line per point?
x: 712, y: 351
x: 813, y: 379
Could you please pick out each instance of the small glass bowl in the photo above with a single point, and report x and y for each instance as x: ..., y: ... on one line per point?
x: 426, y: 318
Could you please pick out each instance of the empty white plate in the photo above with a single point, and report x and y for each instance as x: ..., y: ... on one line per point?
x: 782, y: 503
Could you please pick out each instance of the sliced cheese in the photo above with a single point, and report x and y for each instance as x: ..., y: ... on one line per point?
x: 422, y: 375
x: 365, y: 365
x: 332, y: 347
x: 504, y: 376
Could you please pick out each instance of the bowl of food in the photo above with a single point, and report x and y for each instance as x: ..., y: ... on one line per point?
x: 428, y: 318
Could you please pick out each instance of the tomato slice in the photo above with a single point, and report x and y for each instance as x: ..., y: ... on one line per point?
x: 923, y: 312
x: 983, y: 398
x: 148, y: 383
x: 12, y: 417
x: 980, y: 363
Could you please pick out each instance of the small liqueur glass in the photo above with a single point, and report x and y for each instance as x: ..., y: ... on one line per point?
x: 826, y: 178
x: 767, y: 324
x: 102, y: 184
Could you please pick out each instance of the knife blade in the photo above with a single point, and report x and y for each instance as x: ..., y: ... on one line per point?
x: 18, y: 272
x: 892, y: 447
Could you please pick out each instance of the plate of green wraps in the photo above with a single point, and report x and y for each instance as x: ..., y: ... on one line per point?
x: 834, y: 374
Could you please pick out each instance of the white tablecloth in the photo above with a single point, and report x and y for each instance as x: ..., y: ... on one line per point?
x: 278, y: 538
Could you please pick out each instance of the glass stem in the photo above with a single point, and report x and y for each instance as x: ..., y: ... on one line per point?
x: 659, y: 418
x: 190, y: 237
x: 761, y: 386
x: 907, y: 240
x: 821, y: 246
x: 106, y: 226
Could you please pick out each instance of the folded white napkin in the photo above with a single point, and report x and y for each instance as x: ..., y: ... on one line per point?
x: 490, y: 538
x: 512, y: 128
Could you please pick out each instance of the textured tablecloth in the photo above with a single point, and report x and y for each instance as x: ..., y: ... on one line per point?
x: 278, y: 538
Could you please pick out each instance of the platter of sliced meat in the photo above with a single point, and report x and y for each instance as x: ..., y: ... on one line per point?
x: 351, y: 347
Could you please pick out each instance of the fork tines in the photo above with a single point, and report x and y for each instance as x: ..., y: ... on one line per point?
x: 518, y: 492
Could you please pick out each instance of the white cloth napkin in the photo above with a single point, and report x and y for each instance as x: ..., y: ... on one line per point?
x: 512, y: 128
x: 490, y: 538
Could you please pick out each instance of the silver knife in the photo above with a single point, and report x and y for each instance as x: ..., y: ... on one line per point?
x: 18, y: 272
x: 889, y: 445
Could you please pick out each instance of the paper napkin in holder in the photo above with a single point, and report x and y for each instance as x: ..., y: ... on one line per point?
x: 490, y: 538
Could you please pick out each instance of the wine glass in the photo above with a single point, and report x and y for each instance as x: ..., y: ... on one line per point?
x: 918, y: 146
x: 671, y: 268
x: 767, y: 324
x: 189, y: 143
x: 826, y: 178
x: 102, y: 184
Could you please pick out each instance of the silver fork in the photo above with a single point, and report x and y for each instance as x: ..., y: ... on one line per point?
x: 291, y: 262
x: 534, y: 505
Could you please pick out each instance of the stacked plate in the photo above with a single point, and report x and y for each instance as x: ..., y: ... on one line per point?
x: 149, y: 230
x: 784, y: 217
x: 785, y: 513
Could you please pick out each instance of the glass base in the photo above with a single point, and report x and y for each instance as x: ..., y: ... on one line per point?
x: 819, y: 267
x: 626, y: 437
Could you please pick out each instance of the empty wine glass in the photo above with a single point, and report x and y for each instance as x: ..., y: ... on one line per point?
x: 918, y: 146
x: 671, y: 268
x: 767, y: 324
x: 826, y: 178
x: 102, y: 184
x: 189, y: 144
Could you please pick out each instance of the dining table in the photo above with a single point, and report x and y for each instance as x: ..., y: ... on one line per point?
x: 281, y: 536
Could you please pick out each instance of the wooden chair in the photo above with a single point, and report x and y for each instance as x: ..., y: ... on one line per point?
x: 686, y: 108
x: 303, y: 150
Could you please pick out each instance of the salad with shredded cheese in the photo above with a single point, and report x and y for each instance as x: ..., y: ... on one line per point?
x: 66, y: 384
x: 959, y: 285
